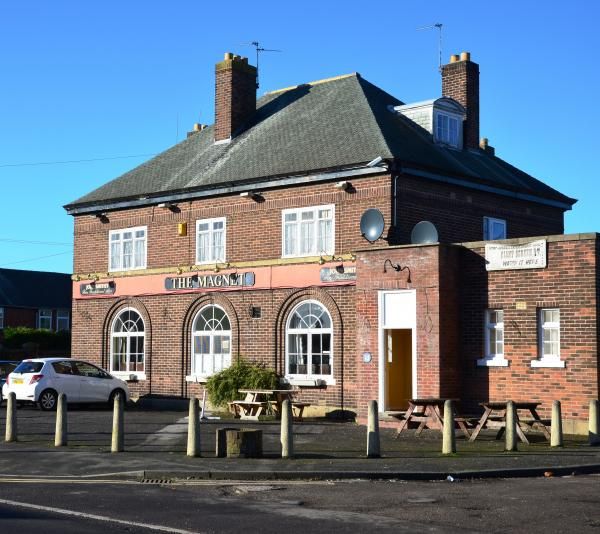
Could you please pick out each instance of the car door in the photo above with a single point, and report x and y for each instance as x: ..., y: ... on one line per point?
x: 66, y: 380
x: 94, y: 384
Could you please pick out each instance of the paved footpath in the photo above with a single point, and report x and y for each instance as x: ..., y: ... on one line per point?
x: 156, y: 440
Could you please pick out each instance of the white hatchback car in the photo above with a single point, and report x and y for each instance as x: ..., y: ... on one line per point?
x: 41, y: 380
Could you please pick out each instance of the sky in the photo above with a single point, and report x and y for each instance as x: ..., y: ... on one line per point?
x: 89, y: 90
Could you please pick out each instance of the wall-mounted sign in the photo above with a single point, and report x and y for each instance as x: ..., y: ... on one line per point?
x: 338, y: 274
x: 504, y: 257
x: 209, y: 281
x: 97, y: 288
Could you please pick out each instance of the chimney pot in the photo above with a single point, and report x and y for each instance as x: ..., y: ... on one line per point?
x: 228, y: 56
x: 453, y: 58
x: 465, y: 56
x: 483, y: 143
x: 197, y: 127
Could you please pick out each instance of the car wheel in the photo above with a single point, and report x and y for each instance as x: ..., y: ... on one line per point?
x: 48, y: 400
x: 114, y: 393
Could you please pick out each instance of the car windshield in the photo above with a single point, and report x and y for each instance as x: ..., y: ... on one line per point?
x: 29, y: 367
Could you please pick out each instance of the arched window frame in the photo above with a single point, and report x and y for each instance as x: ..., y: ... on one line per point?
x: 309, y: 378
x: 200, y: 375
x: 131, y: 371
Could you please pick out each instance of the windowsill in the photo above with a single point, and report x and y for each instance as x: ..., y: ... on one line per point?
x: 314, y: 382
x: 492, y: 362
x: 551, y: 363
x: 129, y: 377
x: 141, y: 268
x: 211, y: 262
x: 199, y: 379
x: 310, y: 255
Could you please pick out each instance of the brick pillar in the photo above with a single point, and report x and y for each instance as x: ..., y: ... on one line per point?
x: 235, y: 95
x: 460, y: 81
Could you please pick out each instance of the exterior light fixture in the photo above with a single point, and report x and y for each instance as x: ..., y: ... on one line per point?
x: 169, y: 206
x: 343, y: 185
x: 216, y: 269
x: 254, y: 195
x: 397, y: 267
x: 321, y: 260
x: 102, y: 217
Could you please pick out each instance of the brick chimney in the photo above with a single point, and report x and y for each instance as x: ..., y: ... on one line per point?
x: 235, y: 95
x: 460, y: 81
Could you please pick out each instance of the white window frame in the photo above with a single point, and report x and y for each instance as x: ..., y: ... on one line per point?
x: 197, y: 375
x: 308, y: 378
x: 1, y: 317
x: 493, y: 359
x: 446, y: 139
x: 488, y: 224
x: 44, y: 314
x: 62, y: 316
x: 127, y: 374
x: 120, y: 233
x: 550, y: 360
x: 313, y: 251
x: 211, y: 232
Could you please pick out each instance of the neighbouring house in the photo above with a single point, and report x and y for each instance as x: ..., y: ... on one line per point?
x: 363, y: 247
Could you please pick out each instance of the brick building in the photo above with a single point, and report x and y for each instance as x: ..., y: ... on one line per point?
x: 245, y: 241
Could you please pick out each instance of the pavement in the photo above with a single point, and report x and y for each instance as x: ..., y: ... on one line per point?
x: 155, y: 450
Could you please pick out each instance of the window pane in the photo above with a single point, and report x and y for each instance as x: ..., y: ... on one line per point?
x: 115, y: 256
x: 290, y: 247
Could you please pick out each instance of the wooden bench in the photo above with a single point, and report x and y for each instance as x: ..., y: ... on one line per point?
x: 248, y: 409
x: 299, y: 408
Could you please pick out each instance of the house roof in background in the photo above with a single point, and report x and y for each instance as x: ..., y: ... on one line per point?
x: 329, y: 125
x: 35, y: 289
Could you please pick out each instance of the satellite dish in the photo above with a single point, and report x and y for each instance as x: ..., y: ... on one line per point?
x: 371, y: 225
x: 424, y: 233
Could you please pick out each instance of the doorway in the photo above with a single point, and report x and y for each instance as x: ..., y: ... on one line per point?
x: 398, y: 368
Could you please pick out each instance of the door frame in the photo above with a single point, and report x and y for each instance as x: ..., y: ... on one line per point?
x: 407, y: 322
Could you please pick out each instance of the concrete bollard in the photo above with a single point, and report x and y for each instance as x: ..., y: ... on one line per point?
x: 373, y: 443
x: 193, y: 442
x: 287, y: 430
x: 118, y: 429
x: 449, y: 438
x: 594, y: 424
x: 556, y: 433
x: 511, y: 427
x: 60, y: 433
x: 11, y: 417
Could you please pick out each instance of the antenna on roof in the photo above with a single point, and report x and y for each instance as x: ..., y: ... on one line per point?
x: 259, y: 50
x: 437, y: 25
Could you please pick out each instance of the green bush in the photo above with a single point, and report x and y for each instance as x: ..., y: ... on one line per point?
x: 16, y: 336
x: 223, y: 387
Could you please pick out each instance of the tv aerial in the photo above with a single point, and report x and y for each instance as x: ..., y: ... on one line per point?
x: 371, y: 225
x: 437, y: 25
x: 259, y: 50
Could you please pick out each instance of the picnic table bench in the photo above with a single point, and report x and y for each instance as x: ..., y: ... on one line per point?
x: 429, y: 414
x: 262, y: 401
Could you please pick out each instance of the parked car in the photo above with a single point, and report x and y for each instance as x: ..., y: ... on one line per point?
x: 41, y: 380
x: 6, y: 367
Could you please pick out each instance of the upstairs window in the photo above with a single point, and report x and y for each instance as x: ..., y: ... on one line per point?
x: 308, y: 231
x: 210, y: 240
x: 127, y: 249
x: 62, y: 320
x: 493, y: 229
x: 45, y: 319
x: 448, y: 129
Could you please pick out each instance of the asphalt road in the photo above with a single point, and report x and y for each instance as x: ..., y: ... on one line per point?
x: 548, y: 505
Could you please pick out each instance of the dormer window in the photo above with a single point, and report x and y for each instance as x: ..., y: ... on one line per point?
x: 448, y: 129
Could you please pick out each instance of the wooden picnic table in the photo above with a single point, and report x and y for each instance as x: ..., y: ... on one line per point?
x: 494, y: 416
x: 429, y: 413
x: 260, y: 401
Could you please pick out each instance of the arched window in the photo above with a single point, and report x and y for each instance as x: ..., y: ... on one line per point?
x: 127, y: 343
x: 309, y: 341
x: 211, y: 341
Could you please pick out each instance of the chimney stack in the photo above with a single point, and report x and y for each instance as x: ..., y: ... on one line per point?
x: 460, y: 81
x: 235, y: 95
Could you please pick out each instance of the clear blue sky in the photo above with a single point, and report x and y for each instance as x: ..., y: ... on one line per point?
x: 86, y: 80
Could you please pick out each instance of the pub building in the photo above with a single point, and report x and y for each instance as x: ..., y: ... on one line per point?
x: 362, y: 247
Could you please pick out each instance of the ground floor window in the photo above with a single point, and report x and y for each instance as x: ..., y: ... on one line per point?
x: 549, y: 338
x: 45, y: 319
x: 127, y: 343
x: 211, y: 341
x: 494, y: 339
x: 309, y: 342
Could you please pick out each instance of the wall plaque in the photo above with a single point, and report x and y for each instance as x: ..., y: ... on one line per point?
x: 96, y: 288
x: 209, y: 281
x: 338, y: 274
x: 505, y: 257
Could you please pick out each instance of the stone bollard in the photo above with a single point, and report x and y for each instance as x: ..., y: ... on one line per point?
x: 11, y: 417
x: 594, y: 424
x: 373, y: 443
x: 118, y: 429
x: 511, y: 427
x: 556, y: 433
x: 60, y: 433
x: 287, y: 430
x: 449, y: 438
x: 193, y: 442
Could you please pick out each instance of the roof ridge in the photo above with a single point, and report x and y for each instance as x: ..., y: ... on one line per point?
x: 317, y: 82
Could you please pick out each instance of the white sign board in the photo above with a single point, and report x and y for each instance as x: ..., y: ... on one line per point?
x: 504, y: 257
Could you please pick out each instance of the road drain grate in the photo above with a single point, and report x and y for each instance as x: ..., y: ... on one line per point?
x: 156, y: 481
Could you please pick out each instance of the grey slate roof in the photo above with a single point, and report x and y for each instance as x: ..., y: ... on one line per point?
x: 35, y: 289
x: 333, y: 124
